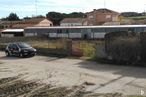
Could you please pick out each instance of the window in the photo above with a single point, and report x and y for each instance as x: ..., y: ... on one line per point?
x: 59, y: 31
x: 10, y: 46
x: 64, y: 30
x: 108, y: 16
x: 75, y: 30
x: 23, y: 45
x: 14, y: 46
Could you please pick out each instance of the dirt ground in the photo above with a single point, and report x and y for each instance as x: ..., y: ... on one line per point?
x: 32, y: 77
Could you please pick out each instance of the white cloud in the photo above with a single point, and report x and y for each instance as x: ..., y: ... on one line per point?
x: 24, y: 8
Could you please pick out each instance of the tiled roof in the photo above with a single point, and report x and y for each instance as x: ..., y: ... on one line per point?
x: 33, y: 21
x: 105, y: 10
x: 73, y: 20
x: 22, y: 25
x: 27, y: 23
x: 44, y: 23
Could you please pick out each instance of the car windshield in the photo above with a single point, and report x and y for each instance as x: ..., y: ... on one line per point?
x: 23, y: 45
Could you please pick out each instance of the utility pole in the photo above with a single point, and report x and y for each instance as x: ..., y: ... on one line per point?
x: 144, y: 10
x: 144, y: 13
x: 36, y: 7
x: 104, y: 3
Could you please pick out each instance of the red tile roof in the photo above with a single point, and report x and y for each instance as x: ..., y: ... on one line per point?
x: 25, y: 23
x: 104, y: 10
x: 73, y: 20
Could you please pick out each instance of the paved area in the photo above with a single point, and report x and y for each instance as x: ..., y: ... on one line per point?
x: 70, y: 72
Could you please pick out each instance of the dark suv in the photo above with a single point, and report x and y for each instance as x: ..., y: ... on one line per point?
x: 20, y: 49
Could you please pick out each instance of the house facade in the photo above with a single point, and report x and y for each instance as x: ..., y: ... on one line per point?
x: 101, y: 16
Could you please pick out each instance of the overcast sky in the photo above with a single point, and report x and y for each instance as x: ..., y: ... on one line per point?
x: 28, y: 7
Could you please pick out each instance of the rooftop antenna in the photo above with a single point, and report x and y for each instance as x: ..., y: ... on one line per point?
x: 104, y: 3
x: 36, y: 7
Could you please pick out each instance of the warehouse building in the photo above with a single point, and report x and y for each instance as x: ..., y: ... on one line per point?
x: 12, y: 33
x: 83, y: 32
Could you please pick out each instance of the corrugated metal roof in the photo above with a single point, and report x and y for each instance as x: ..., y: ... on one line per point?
x: 69, y: 27
x: 13, y: 30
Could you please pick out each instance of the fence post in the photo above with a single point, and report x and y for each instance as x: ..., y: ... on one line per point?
x: 69, y: 47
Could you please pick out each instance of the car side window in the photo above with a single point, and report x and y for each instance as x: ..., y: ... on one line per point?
x: 14, y: 46
x: 10, y: 46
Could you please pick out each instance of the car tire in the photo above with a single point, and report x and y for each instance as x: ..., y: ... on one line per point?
x: 21, y: 55
x: 8, y: 54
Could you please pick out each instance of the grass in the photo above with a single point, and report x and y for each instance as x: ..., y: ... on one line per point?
x: 87, y: 48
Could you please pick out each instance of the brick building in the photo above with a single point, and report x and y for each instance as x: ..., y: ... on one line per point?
x: 101, y: 16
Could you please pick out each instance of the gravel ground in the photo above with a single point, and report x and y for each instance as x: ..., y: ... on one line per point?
x: 64, y: 72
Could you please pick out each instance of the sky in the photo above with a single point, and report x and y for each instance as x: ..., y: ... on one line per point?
x: 30, y: 8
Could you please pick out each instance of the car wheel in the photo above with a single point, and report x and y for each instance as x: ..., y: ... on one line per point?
x: 21, y: 55
x: 7, y: 54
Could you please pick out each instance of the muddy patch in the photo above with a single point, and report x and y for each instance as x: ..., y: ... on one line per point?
x: 17, y: 87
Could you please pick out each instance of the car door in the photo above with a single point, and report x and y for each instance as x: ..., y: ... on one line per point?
x: 9, y: 48
x: 15, y: 49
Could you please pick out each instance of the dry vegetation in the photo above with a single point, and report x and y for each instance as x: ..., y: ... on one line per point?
x: 87, y: 48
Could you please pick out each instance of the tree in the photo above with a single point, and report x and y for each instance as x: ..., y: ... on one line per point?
x: 12, y: 17
x: 39, y: 16
x: 131, y: 14
x: 55, y: 17
x: 75, y: 15
x: 4, y: 19
x: 26, y: 18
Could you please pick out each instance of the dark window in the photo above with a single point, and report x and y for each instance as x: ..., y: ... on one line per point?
x: 64, y: 30
x: 59, y: 31
x: 74, y: 30
x: 10, y: 46
x: 14, y: 46
x: 23, y: 45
